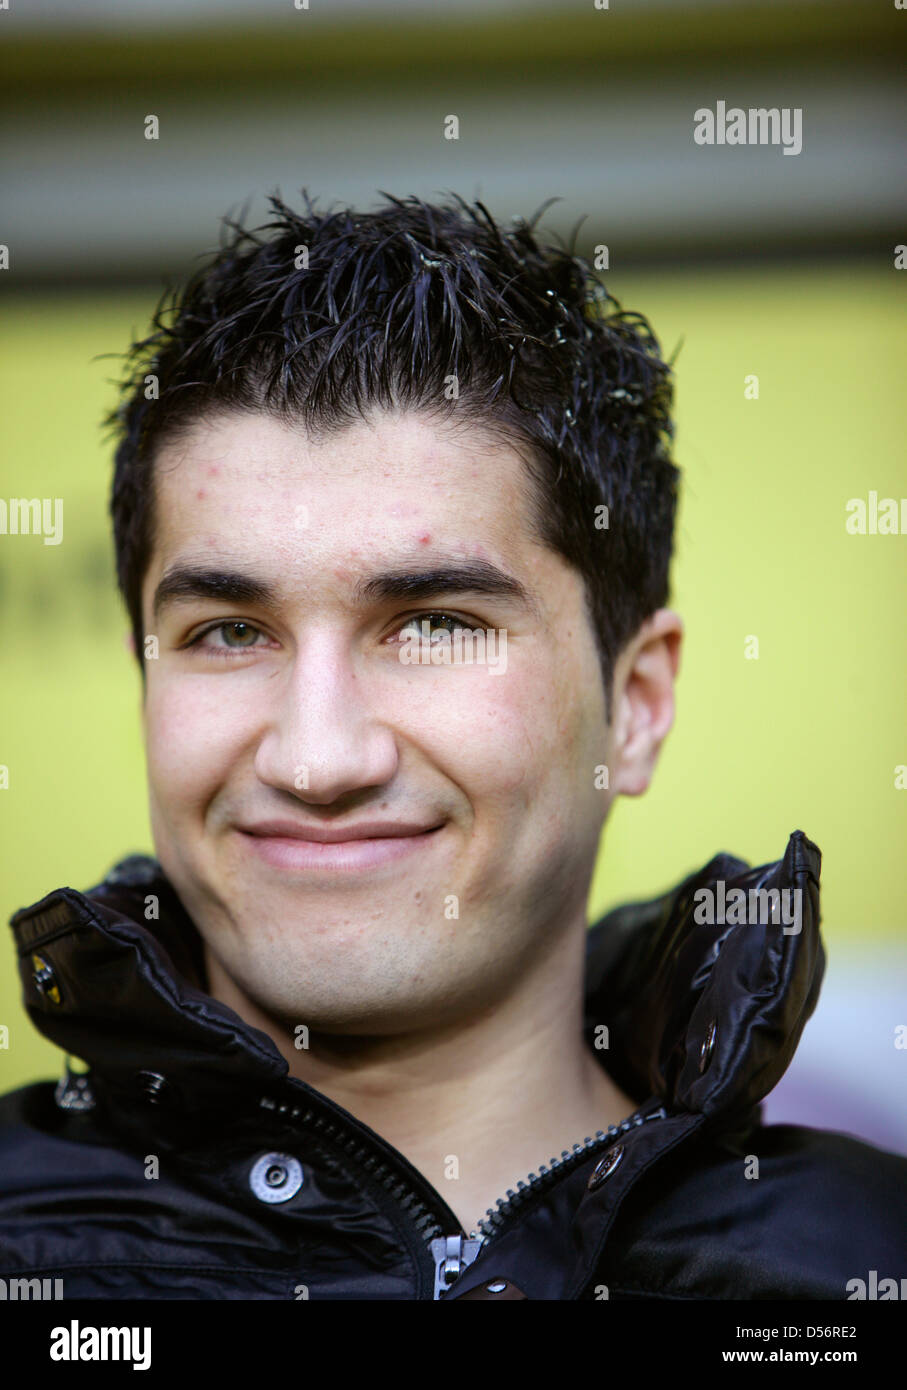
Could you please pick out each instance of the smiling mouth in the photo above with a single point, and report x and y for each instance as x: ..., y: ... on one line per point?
x: 293, y: 853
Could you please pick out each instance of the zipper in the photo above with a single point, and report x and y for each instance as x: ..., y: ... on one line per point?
x: 491, y: 1223
x: 452, y: 1254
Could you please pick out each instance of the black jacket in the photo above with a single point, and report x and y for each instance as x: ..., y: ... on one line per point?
x: 266, y: 1189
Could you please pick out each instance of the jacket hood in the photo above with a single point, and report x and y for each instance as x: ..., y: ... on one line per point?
x: 703, y: 1011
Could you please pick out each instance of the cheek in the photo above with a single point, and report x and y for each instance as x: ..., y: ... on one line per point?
x: 495, y: 736
x: 191, y: 740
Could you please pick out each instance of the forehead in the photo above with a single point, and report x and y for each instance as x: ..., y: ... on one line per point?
x: 253, y: 481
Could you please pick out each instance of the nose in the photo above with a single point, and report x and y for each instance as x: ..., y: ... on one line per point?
x: 325, y: 738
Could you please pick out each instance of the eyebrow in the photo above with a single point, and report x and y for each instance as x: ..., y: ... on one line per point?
x: 187, y: 581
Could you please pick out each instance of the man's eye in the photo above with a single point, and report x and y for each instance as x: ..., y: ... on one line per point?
x: 243, y: 630
x: 413, y: 627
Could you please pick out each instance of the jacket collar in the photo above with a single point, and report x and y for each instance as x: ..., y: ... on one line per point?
x: 705, y: 1016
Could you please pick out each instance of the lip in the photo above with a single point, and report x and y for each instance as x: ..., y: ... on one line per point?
x: 369, y: 845
x: 335, y: 835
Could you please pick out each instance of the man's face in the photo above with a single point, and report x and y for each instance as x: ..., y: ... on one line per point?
x: 301, y: 710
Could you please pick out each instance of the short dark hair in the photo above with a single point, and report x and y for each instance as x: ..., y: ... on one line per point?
x: 317, y: 317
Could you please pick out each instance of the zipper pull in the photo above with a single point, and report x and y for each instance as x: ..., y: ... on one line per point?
x: 452, y: 1254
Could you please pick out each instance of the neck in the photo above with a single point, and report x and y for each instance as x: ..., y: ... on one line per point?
x: 477, y: 1105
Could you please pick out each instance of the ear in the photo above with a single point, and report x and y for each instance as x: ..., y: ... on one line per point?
x: 644, y: 700
x: 129, y: 643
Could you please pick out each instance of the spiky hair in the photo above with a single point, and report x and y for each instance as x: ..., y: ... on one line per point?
x: 317, y: 317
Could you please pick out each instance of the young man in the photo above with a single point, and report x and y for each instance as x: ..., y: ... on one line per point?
x: 393, y: 510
